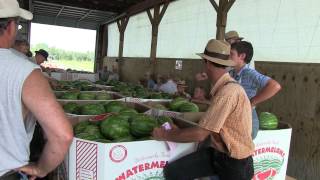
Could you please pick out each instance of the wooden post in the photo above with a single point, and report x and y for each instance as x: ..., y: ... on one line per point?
x: 155, y: 22
x: 102, y: 46
x: 222, y: 14
x: 122, y: 25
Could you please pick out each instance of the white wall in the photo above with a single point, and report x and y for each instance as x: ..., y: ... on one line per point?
x: 280, y: 30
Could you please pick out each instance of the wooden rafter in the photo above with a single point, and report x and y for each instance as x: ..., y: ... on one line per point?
x: 122, y: 25
x: 155, y: 22
x: 222, y: 12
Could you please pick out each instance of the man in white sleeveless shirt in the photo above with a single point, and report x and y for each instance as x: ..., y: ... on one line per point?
x: 25, y: 95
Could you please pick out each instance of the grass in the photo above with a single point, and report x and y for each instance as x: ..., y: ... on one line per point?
x: 74, y: 64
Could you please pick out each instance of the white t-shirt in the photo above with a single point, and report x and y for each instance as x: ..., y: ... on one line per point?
x: 15, y: 132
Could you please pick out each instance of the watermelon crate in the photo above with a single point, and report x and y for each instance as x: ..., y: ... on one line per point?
x: 68, y: 76
x: 140, y: 108
x: 121, y: 161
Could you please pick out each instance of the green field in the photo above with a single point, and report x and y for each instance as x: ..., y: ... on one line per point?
x: 74, y: 64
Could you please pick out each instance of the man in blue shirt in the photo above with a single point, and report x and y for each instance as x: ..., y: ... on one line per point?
x: 258, y: 87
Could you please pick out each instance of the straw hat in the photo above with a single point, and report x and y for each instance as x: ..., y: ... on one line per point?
x: 217, y: 51
x: 232, y: 35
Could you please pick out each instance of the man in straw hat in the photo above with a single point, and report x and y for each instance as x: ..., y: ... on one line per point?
x: 232, y: 37
x: 227, y: 122
x: 181, y: 87
x: 25, y: 94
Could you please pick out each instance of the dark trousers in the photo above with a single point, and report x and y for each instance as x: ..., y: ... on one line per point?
x: 209, y: 162
x: 10, y: 176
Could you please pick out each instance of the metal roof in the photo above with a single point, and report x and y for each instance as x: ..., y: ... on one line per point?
x: 70, y: 16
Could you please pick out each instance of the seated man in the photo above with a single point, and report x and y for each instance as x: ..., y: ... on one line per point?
x: 228, y: 123
x: 181, y: 86
x: 199, y: 94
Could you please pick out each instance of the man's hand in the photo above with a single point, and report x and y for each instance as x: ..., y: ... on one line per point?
x: 201, y: 76
x: 33, y: 171
x: 159, y: 134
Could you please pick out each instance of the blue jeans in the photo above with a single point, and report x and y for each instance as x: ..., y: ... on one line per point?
x: 255, y: 123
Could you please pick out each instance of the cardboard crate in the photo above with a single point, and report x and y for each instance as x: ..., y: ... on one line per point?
x: 68, y: 76
x: 120, y: 161
x: 140, y: 100
x: 271, y: 149
x: 104, y: 87
x: 141, y: 108
x: 115, y: 96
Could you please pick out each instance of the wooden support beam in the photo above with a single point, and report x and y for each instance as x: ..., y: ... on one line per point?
x: 122, y: 25
x: 214, y: 4
x: 222, y: 13
x: 155, y: 22
x: 102, y: 46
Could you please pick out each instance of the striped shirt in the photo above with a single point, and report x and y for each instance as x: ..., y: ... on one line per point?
x: 229, y: 117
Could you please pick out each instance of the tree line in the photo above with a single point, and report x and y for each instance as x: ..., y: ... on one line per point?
x: 61, y: 54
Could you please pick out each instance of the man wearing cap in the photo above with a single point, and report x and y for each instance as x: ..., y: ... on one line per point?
x: 232, y: 37
x: 41, y: 56
x: 227, y: 122
x: 25, y: 95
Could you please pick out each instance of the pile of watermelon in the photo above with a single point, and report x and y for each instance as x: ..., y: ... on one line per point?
x: 121, y: 127
x: 97, y: 108
x: 268, y: 121
x: 85, y: 96
x: 74, y: 85
x: 178, y: 105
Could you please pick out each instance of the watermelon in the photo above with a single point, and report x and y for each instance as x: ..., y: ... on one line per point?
x: 114, y: 106
x: 80, y: 127
x: 268, y: 121
x: 188, y: 107
x: 103, y: 96
x: 70, y: 96
x: 92, y: 109
x: 163, y: 119
x: 142, y: 125
x: 176, y: 103
x: 103, y: 141
x: 87, y: 96
x: 72, y: 108
x: 125, y: 139
x: 115, y: 127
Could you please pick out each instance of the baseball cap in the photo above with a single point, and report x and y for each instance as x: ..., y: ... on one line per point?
x: 10, y: 8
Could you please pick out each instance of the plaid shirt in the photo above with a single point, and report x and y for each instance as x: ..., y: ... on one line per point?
x: 229, y: 115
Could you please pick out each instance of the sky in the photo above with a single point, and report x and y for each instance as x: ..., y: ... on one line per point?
x: 73, y: 39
